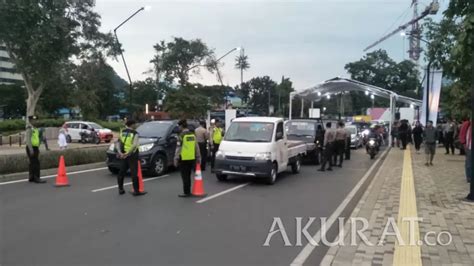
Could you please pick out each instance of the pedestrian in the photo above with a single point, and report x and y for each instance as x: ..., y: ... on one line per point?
x: 202, y: 138
x: 394, y: 134
x: 329, y: 138
x: 465, y: 137
x: 340, y: 144
x: 402, y: 132
x: 43, y: 138
x: 216, y: 133
x: 430, y: 135
x: 449, y: 132
x: 32, y: 150
x: 347, y: 145
x: 418, y: 135
x: 186, y: 156
x: 128, y: 153
x: 319, y: 141
x: 62, y: 137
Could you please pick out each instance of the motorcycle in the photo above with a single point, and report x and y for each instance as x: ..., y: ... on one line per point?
x: 89, y: 137
x: 372, y: 147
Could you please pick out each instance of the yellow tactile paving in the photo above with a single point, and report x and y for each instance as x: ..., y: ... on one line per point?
x: 407, y: 254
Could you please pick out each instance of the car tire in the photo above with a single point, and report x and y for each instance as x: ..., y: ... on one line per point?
x: 114, y: 171
x: 158, y: 165
x: 108, y: 141
x: 296, y: 166
x: 221, y: 177
x: 273, y: 175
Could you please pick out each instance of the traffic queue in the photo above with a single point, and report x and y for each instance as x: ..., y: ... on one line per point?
x: 255, y: 147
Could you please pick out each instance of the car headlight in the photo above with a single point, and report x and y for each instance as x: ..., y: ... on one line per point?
x: 263, y: 156
x: 220, y: 155
x: 372, y: 142
x: 112, y: 147
x: 146, y: 147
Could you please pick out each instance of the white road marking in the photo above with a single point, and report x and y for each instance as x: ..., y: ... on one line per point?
x: 129, y: 183
x: 308, y: 249
x: 51, y: 176
x: 222, y: 193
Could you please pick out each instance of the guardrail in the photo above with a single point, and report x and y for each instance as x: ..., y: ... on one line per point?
x: 12, y: 140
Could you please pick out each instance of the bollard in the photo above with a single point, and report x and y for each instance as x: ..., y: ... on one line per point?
x: 10, y: 139
x: 19, y: 139
x: 1, y: 139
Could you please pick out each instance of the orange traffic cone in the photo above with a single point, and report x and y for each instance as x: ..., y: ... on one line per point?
x: 61, y: 178
x: 198, y: 186
x: 141, y: 186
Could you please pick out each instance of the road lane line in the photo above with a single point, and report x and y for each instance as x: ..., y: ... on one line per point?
x: 129, y: 183
x: 308, y: 249
x: 51, y: 176
x: 222, y: 193
x: 407, y: 254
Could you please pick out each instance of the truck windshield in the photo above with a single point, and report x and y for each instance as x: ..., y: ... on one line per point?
x: 250, y: 132
x: 154, y: 129
x: 301, y: 128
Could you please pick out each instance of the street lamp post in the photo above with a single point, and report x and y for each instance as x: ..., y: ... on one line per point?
x: 123, y: 58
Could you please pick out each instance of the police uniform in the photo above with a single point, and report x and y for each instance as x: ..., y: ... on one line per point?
x: 129, y: 145
x: 186, y: 155
x: 216, y: 141
x: 32, y: 150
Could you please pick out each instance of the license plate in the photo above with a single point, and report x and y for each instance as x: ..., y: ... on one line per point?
x: 238, y: 168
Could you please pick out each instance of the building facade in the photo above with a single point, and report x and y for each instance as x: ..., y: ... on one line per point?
x: 8, y: 73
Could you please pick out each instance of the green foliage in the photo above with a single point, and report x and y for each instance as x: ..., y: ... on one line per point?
x: 174, y: 59
x: 262, y: 90
x: 114, y: 126
x: 282, y: 97
x: 12, y: 97
x: 186, y: 102
x: 11, y: 125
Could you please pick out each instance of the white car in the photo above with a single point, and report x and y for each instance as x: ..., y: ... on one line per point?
x: 76, y: 127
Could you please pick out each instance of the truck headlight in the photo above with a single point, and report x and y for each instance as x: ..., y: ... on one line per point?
x: 220, y: 155
x: 263, y: 156
x: 112, y: 147
x: 146, y: 147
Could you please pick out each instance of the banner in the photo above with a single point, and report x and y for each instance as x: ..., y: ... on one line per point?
x: 436, y: 77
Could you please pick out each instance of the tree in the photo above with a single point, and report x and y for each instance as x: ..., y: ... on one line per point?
x: 242, y: 63
x: 282, y: 98
x: 174, y: 60
x: 451, y: 48
x: 12, y: 99
x: 261, y: 91
x: 186, y: 102
x: 42, y: 35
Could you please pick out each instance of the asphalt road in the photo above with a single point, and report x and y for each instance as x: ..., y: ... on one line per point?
x: 89, y: 223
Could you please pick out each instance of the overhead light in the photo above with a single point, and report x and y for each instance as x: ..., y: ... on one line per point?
x: 329, y: 96
x: 367, y: 93
x: 412, y: 106
x: 319, y: 93
x: 372, y: 97
x: 403, y: 34
x: 147, y: 8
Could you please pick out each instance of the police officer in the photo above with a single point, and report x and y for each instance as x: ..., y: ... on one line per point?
x: 329, y: 139
x: 128, y: 153
x: 340, y: 143
x: 216, y: 134
x: 186, y: 156
x: 32, y: 150
x: 319, y: 141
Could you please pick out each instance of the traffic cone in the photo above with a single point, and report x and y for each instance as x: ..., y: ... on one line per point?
x: 61, y: 178
x: 198, y: 186
x: 141, y: 186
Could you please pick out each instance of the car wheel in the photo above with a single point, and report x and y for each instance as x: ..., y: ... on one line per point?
x: 108, y: 141
x: 221, y: 177
x: 273, y: 175
x: 158, y: 165
x: 114, y: 171
x: 296, y: 166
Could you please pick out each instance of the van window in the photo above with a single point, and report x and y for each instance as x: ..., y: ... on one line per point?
x: 250, y: 132
x: 73, y: 125
x: 279, y: 131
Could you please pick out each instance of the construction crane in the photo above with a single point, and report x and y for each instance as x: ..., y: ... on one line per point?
x: 415, y: 33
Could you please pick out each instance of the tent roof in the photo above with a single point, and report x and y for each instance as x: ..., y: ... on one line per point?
x: 338, y: 85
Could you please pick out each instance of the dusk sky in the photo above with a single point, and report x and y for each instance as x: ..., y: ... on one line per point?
x: 307, y: 41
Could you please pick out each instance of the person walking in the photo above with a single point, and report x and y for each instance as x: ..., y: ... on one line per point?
x: 449, y: 132
x: 319, y: 141
x: 394, y: 134
x: 186, y: 156
x: 128, y: 152
x: 418, y: 136
x: 33, y: 141
x: 202, y: 138
x: 340, y: 143
x: 329, y: 138
x: 62, y: 137
x: 430, y: 135
x: 402, y: 132
x: 216, y: 133
x: 465, y: 138
x: 43, y: 138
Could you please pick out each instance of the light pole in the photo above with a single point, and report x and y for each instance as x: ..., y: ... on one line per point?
x: 123, y: 58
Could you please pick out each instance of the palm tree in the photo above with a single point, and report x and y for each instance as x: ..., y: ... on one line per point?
x: 242, y: 63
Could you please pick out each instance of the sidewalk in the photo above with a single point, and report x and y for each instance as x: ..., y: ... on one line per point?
x: 402, y: 178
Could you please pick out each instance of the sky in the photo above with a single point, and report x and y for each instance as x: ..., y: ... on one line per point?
x: 308, y: 41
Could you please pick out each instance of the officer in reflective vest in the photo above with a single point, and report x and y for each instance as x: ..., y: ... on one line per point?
x: 186, y: 156
x: 128, y: 152
x: 32, y: 150
x: 216, y: 134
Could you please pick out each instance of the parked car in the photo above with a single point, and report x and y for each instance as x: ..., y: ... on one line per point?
x: 257, y: 147
x: 158, y: 141
x: 75, y: 128
x: 356, y: 137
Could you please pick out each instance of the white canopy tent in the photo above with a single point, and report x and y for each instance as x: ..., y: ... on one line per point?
x: 338, y: 86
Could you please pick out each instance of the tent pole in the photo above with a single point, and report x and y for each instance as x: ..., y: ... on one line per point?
x: 291, y: 105
x: 391, y: 121
x: 302, y: 107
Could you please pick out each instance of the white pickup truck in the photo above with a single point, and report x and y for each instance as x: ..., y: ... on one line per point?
x: 257, y: 147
